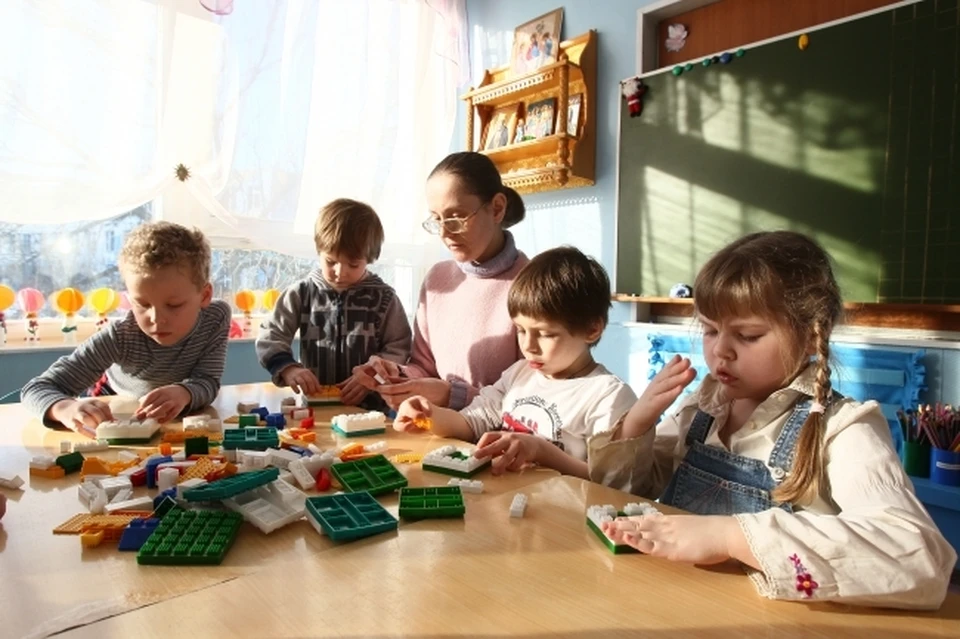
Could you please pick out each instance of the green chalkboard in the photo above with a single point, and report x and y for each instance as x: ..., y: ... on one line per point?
x: 855, y: 140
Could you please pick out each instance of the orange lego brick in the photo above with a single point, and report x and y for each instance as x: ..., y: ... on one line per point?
x: 76, y: 524
x: 423, y: 423
x: 166, y: 449
x: 351, y: 449
x: 91, y: 539
x: 54, y: 472
x: 94, y: 466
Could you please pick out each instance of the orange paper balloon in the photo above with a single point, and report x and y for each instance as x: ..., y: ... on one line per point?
x: 68, y: 301
x: 104, y: 300
x: 270, y: 297
x: 246, y: 300
x: 7, y: 297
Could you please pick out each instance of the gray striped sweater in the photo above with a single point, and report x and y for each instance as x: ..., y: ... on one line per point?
x: 135, y: 364
x: 338, y: 330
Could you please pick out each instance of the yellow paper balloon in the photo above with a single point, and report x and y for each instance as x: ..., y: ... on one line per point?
x: 270, y: 297
x: 803, y: 42
x: 68, y: 301
x: 104, y: 300
x: 7, y: 297
x: 246, y: 300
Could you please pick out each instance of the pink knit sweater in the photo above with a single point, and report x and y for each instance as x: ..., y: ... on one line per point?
x: 463, y: 332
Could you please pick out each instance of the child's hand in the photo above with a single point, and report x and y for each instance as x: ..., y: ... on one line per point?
x: 352, y: 391
x: 3, y: 505
x: 437, y: 391
x: 697, y: 539
x: 164, y: 403
x: 412, y: 409
x: 387, y: 371
x: 659, y: 394
x: 512, y: 451
x: 300, y: 380
x: 81, y: 417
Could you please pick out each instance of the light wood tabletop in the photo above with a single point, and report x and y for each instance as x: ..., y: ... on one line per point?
x: 483, y: 575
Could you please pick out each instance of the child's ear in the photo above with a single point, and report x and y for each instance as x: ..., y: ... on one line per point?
x: 206, y: 295
x: 595, y: 331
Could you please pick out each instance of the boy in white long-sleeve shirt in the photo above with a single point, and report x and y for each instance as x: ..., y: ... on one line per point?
x: 543, y: 408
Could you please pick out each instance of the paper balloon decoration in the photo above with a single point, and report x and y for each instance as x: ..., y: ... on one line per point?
x: 7, y: 298
x: 104, y: 301
x: 246, y: 301
x: 67, y: 301
x: 30, y: 300
x: 270, y: 297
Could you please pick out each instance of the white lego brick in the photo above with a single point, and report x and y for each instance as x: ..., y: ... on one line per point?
x: 167, y: 478
x: 300, y: 413
x: 287, y: 476
x: 202, y: 422
x: 122, y: 495
x: 314, y: 464
x: 128, y: 429
x: 306, y: 480
x: 316, y: 525
x: 441, y: 457
x: 600, y: 514
x: 281, y: 458
x: 42, y: 462
x: 112, y: 485
x: 9, y: 480
x: 66, y: 447
x: 637, y: 508
x: 99, y: 501
x: 313, y: 448
x: 467, y: 485
x: 375, y: 447
x: 86, y: 492
x: 244, y: 408
x: 360, y: 422
x: 269, y: 507
x: 519, y: 505
x: 253, y: 458
x: 379, y: 379
x: 127, y: 456
x: 229, y: 454
x: 92, y: 446
x: 137, y: 503
x: 288, y: 402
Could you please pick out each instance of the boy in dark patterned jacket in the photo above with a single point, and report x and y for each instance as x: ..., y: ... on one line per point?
x: 344, y: 314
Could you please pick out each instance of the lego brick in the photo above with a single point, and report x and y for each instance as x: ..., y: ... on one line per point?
x: 136, y: 533
x: 370, y: 423
x: 519, y: 505
x: 196, y: 446
x: 328, y: 395
x: 66, y: 447
x: 122, y: 495
x: 349, y: 516
x: 92, y: 446
x: 269, y: 507
x: 245, y: 408
x: 194, y: 537
x: 9, y: 480
x: 250, y: 439
x: 248, y: 420
x: 70, y: 463
x: 375, y: 475
x: 137, y: 503
x: 167, y: 478
x: 76, y: 524
x: 42, y: 462
x: 276, y: 420
x: 54, y: 472
x: 230, y: 486
x: 423, y: 503
x: 128, y: 431
x: 152, y: 464
x: 451, y: 460
x: 407, y: 458
x: 596, y: 515
x: 467, y: 485
x: 261, y: 411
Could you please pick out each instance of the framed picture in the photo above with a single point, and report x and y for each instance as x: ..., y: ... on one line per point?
x: 574, y: 105
x: 500, y: 130
x: 540, y: 118
x: 536, y: 43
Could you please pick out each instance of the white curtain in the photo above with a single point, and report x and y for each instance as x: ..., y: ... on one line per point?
x: 275, y: 109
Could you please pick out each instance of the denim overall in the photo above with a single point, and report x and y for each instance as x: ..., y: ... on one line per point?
x: 714, y: 481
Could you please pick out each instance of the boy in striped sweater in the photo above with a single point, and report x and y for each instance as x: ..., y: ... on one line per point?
x: 169, y: 350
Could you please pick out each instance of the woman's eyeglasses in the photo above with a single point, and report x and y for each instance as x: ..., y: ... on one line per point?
x: 452, y: 225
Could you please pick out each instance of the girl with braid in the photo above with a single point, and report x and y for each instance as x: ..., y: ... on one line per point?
x: 799, y: 484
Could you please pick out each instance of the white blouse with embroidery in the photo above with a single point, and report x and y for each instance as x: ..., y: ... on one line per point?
x: 865, y: 539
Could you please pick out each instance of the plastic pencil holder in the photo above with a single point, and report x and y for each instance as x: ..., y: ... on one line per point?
x: 916, y: 459
x: 945, y: 467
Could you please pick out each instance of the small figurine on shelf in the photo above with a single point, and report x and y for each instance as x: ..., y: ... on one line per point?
x: 68, y: 301
x: 30, y: 301
x: 7, y: 298
x: 634, y: 90
x: 681, y: 291
x: 518, y: 136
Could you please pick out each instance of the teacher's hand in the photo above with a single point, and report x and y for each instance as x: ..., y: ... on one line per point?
x: 436, y: 391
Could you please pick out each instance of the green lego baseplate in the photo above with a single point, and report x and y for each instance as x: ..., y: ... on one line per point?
x: 358, y: 433
x: 615, y: 548
x: 250, y: 438
x: 349, y: 516
x: 190, y: 537
x: 375, y: 475
x: 424, y: 503
x: 230, y: 486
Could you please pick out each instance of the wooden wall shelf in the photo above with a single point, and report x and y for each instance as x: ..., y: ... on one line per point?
x: 556, y: 161
x: 930, y: 317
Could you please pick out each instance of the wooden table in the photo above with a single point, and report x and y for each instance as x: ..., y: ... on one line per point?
x: 483, y: 575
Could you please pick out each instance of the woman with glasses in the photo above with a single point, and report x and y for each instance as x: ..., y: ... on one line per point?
x: 463, y: 336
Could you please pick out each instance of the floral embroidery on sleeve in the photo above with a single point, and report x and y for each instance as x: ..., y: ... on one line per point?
x: 805, y: 582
